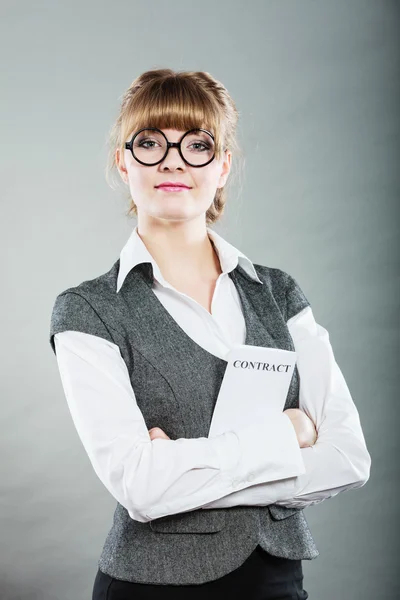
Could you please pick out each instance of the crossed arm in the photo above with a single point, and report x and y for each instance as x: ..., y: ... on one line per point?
x: 154, y: 478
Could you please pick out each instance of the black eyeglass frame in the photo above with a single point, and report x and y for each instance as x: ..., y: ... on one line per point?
x: 129, y: 146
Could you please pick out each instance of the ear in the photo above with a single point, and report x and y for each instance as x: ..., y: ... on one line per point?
x: 120, y: 166
x: 225, y: 169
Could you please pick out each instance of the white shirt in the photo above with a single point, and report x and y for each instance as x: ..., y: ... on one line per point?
x: 257, y: 465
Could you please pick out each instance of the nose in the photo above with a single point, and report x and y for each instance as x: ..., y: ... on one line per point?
x: 173, y: 160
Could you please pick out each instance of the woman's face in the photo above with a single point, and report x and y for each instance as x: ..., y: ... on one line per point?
x: 181, y: 205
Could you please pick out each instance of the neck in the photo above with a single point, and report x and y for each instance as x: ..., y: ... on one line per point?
x: 181, y: 249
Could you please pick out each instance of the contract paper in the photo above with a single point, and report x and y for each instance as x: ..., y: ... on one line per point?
x: 255, y: 384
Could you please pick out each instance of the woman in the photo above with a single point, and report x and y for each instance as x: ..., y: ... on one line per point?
x: 141, y: 355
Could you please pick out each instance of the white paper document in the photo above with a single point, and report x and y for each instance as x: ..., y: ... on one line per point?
x: 255, y: 384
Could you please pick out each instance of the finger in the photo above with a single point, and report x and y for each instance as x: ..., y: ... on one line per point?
x: 156, y: 432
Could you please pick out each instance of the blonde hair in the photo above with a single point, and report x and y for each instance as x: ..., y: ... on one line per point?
x: 181, y: 100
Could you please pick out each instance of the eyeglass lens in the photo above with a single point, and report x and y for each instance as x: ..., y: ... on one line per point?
x: 197, y: 147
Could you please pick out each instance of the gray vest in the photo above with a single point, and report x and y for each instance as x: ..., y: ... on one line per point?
x: 165, y: 366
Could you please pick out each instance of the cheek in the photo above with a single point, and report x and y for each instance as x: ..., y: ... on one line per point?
x: 140, y: 178
x: 211, y: 180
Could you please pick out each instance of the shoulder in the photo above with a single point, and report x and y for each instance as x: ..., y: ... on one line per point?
x: 285, y: 289
x: 273, y: 276
x: 95, y: 292
x: 84, y: 307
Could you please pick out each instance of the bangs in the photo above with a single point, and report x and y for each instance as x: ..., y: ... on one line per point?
x: 173, y: 103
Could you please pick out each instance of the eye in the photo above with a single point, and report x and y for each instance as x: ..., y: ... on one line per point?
x: 143, y: 142
x: 204, y: 146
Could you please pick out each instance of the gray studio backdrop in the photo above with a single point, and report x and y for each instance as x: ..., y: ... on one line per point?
x: 317, y: 87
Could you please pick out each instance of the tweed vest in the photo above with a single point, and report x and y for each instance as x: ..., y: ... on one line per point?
x: 165, y: 366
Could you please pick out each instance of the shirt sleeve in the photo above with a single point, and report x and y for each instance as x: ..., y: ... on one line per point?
x: 339, y: 460
x: 155, y: 478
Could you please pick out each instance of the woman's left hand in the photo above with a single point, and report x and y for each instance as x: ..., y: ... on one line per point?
x: 156, y: 432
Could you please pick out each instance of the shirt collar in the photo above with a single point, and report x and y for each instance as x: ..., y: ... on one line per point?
x: 135, y: 252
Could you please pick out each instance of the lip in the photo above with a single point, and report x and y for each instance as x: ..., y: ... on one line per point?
x: 173, y: 184
x: 173, y: 188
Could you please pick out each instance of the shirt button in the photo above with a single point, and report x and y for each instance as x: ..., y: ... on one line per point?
x: 250, y: 477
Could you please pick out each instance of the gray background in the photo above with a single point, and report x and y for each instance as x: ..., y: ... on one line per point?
x: 317, y: 87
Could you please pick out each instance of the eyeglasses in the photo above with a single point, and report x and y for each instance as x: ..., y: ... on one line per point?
x: 149, y: 146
